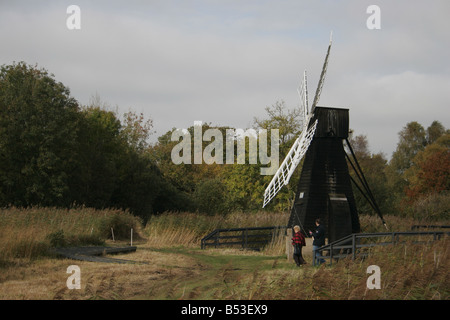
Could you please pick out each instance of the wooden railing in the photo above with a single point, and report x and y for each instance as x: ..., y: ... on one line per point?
x: 352, y: 244
x: 246, y: 238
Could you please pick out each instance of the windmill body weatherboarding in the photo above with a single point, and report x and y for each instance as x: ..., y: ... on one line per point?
x: 324, y: 190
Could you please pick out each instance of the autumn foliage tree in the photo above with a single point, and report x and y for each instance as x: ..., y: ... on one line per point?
x: 431, y: 170
x: 419, y: 172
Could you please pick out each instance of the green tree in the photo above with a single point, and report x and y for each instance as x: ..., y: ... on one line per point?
x: 287, y: 121
x: 38, y: 130
x: 115, y: 169
x: 53, y: 153
x: 99, y: 151
x: 434, y: 132
x: 136, y: 130
x: 186, y: 176
x: 210, y: 197
x: 412, y: 139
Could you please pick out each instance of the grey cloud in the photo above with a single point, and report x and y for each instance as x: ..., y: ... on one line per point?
x: 224, y: 61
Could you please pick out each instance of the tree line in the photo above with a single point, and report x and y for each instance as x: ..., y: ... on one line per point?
x: 56, y: 152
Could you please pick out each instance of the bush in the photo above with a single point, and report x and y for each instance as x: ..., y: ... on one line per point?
x: 432, y: 207
x: 57, y: 238
x: 85, y: 240
x: 121, y: 223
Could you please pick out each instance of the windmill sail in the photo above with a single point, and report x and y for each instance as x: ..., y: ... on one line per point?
x: 303, y: 94
x: 289, y: 164
x: 322, y: 77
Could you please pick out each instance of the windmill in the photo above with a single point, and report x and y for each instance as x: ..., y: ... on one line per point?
x: 324, y: 190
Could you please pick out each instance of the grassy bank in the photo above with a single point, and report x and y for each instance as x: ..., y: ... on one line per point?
x: 188, y: 229
x: 29, y: 233
x: 178, y: 269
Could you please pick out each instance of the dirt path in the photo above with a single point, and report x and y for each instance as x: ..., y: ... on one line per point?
x: 95, y: 254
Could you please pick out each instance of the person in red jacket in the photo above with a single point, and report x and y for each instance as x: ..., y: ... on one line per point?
x: 298, y: 241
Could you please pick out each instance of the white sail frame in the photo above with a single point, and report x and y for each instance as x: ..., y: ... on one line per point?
x: 286, y: 169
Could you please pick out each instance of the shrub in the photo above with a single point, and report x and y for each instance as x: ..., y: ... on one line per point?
x: 57, y: 238
x: 121, y: 223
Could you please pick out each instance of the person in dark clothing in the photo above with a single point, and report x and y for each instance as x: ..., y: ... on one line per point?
x: 298, y: 241
x: 319, y: 240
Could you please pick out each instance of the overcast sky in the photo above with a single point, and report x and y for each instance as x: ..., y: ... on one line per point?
x: 224, y: 61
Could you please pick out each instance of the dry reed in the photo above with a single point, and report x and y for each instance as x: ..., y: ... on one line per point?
x: 29, y: 233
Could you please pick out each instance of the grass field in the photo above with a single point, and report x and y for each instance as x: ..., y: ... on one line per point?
x: 178, y: 269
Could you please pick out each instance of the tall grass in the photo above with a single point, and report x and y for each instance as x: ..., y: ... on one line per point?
x: 408, y: 272
x: 29, y: 233
x: 187, y: 229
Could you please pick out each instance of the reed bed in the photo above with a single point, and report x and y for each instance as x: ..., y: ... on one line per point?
x: 408, y: 270
x: 187, y: 229
x: 29, y: 233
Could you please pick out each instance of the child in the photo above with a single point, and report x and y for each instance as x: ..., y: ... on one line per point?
x: 298, y: 241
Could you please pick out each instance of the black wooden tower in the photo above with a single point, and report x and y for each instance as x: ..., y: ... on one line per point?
x: 324, y: 190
